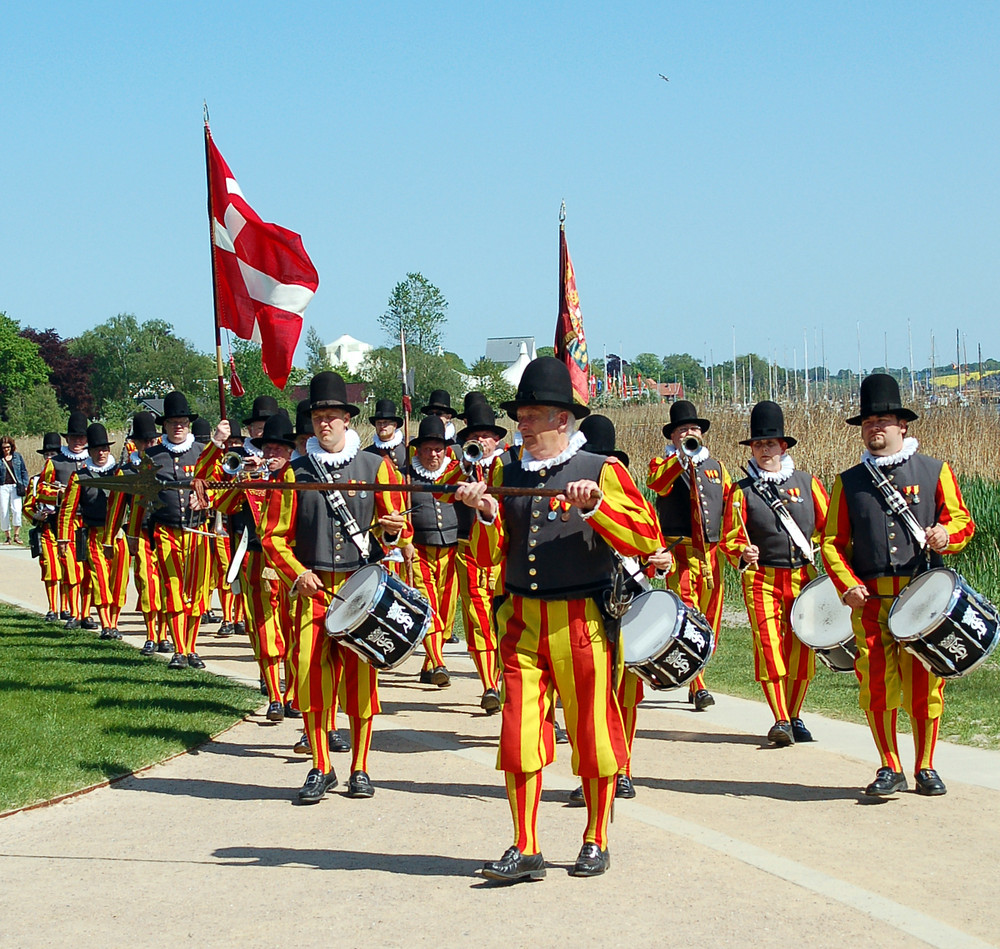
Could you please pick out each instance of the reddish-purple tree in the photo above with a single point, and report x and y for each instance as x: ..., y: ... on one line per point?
x: 69, y: 375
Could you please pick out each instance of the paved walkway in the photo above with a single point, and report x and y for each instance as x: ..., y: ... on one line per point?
x: 729, y: 842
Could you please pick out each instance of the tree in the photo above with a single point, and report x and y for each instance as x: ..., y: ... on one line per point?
x: 381, y: 371
x: 683, y: 367
x: 649, y: 364
x: 488, y: 378
x: 143, y: 359
x: 35, y: 411
x: 316, y: 359
x: 21, y: 365
x: 255, y: 382
x: 69, y: 375
x: 418, y: 307
x: 549, y: 351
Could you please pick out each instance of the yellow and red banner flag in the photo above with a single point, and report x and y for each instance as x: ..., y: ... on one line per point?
x: 571, y: 344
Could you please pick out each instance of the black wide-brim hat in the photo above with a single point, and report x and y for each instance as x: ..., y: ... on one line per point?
x: 545, y: 381
x: 768, y: 421
x: 431, y: 429
x: 880, y: 396
x: 327, y: 390
x: 77, y: 424
x: 479, y: 417
x: 385, y: 411
x: 471, y: 399
x: 599, y: 431
x: 201, y: 428
x: 97, y: 436
x: 440, y: 400
x: 51, y: 441
x: 175, y: 405
x: 683, y: 412
x: 303, y: 419
x: 277, y: 429
x: 264, y: 406
x: 144, y: 426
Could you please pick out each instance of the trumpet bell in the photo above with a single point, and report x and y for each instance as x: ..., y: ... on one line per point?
x: 233, y: 463
x: 691, y: 444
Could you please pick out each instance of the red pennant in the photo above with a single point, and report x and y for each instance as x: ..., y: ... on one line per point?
x: 235, y: 386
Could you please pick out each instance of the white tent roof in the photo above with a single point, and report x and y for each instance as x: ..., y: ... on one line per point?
x: 514, y: 371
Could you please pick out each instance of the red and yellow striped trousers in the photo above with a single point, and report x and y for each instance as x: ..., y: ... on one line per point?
x: 268, y: 619
x: 182, y: 562
x: 558, y: 646
x: 888, y: 674
x: 49, y: 560
x: 147, y: 578
x: 108, y: 575
x: 435, y: 577
x: 476, y: 586
x: 630, y: 694
x: 688, y: 581
x: 778, y: 653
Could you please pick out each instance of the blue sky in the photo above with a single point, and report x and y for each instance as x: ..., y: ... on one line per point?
x: 809, y: 166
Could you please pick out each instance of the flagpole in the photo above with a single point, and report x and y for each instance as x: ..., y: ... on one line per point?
x: 215, y: 285
x: 408, y: 566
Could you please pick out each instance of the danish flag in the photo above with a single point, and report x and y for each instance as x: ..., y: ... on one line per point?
x: 264, y: 277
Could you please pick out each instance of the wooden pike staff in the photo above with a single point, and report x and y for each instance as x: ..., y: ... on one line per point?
x: 215, y: 282
x: 406, y: 406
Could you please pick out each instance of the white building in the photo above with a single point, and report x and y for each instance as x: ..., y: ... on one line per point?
x: 516, y: 369
x: 348, y: 351
x: 506, y: 350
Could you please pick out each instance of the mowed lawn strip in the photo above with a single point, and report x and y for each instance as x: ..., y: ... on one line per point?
x: 77, y: 711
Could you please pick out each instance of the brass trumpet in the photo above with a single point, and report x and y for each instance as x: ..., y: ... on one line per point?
x: 234, y: 464
x: 692, y: 444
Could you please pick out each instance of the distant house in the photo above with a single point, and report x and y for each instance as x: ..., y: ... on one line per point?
x: 506, y: 350
x: 667, y: 391
x: 347, y: 351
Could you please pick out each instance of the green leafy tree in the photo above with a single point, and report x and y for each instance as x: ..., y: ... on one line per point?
x: 246, y: 355
x: 683, y: 367
x: 316, y: 357
x: 35, y: 411
x: 135, y: 359
x: 21, y: 365
x: 488, y: 379
x: 418, y: 307
x: 551, y: 351
x: 649, y: 364
x: 381, y: 372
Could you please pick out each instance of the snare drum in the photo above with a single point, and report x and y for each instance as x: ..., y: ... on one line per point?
x: 665, y: 642
x: 378, y: 616
x: 949, y: 627
x: 822, y: 621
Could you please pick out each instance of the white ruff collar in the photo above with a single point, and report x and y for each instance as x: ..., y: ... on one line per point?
x: 449, y: 431
x: 251, y: 449
x: 102, y: 468
x: 776, y: 477
x: 699, y: 456
x: 530, y: 463
x: 431, y: 475
x: 352, y: 442
x: 910, y: 446
x: 397, y: 439
x: 75, y: 456
x: 177, y: 449
x: 489, y: 459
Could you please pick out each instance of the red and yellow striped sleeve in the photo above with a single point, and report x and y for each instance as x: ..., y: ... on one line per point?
x: 821, y: 505
x: 30, y: 499
x: 48, y: 490
x: 487, y: 542
x: 734, y: 538
x: 624, y: 518
x: 663, y: 472
x: 208, y: 467
x: 277, y: 531
x: 391, y: 502
x: 837, y: 546
x: 954, y: 516
x: 117, y: 504
x: 67, y: 512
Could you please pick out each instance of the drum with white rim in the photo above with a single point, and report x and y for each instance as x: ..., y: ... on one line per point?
x: 665, y: 642
x: 822, y: 621
x: 378, y: 616
x: 942, y: 621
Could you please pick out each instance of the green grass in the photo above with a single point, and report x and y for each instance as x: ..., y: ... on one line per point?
x: 972, y: 703
x: 77, y: 711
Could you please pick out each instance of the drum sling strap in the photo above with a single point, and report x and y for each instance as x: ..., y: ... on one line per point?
x: 772, y: 499
x: 896, y: 503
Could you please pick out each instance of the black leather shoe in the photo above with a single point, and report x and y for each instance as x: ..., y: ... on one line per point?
x: 72, y: 623
x: 452, y: 640
x: 210, y: 619
x: 301, y: 747
x: 51, y: 617
x: 195, y: 661
x: 440, y: 677
x: 164, y: 646
x: 425, y: 677
x: 178, y: 661
x: 317, y: 784
x: 490, y: 702
x: 576, y: 798
x: 88, y: 623
x: 291, y: 711
x: 360, y: 785
x: 781, y: 734
x: 886, y: 783
x: 562, y: 736
x: 624, y: 789
x: 276, y: 712
x: 115, y: 633
x: 337, y: 743
x: 591, y: 862
x: 106, y: 633
x: 702, y: 699
x: 65, y: 614
x: 799, y: 731
x: 239, y: 629
x: 514, y: 866
x: 929, y: 782
x: 225, y: 630
x: 148, y: 648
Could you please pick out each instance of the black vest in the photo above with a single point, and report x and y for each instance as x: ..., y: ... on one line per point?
x: 176, y: 510
x: 881, y: 545
x: 777, y: 549
x: 435, y: 522
x: 64, y: 467
x: 397, y: 455
x: 93, y: 506
x: 321, y: 541
x: 553, y: 559
x: 674, y: 507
